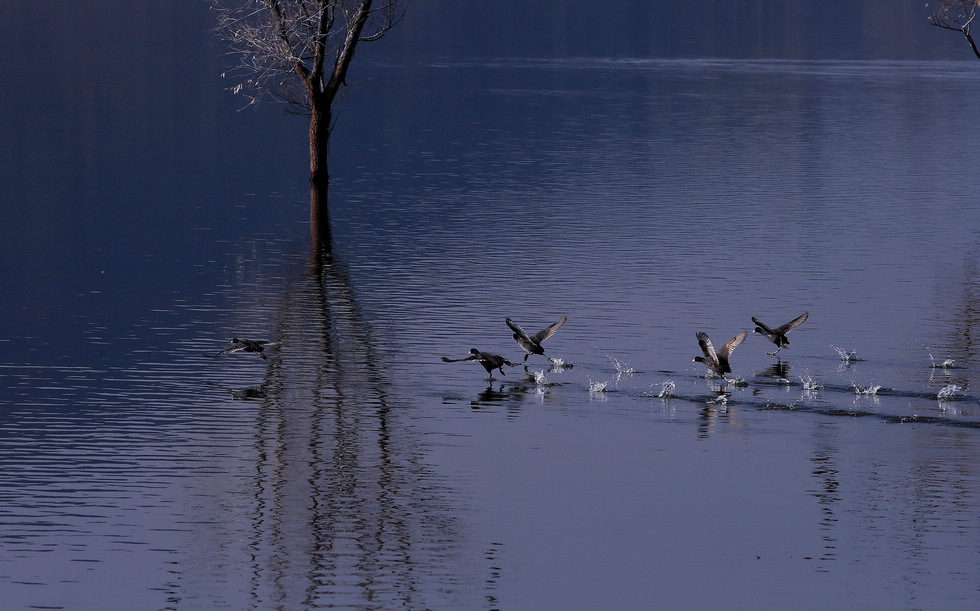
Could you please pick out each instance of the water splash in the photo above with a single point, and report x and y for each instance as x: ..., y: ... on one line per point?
x: 539, y: 377
x: 721, y: 400
x: 809, y: 384
x: 597, y: 387
x: 667, y: 389
x: 870, y: 390
x: 559, y: 364
x: 847, y: 356
x: 622, y: 369
x: 946, y: 364
x: 948, y: 392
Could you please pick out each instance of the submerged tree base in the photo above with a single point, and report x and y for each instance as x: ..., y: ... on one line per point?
x: 320, y: 235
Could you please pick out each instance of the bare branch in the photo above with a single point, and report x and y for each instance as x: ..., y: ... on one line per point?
x: 957, y: 15
x: 278, y: 40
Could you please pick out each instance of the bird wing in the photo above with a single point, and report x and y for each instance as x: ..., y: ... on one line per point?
x: 516, y: 328
x: 492, y: 359
x: 472, y: 357
x: 732, y: 344
x: 235, y: 348
x: 763, y: 326
x: 796, y: 322
x: 547, y: 332
x: 707, y: 347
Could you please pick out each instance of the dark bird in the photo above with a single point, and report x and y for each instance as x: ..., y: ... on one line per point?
x: 489, y: 361
x: 778, y: 335
x: 718, y: 361
x: 248, y: 345
x: 532, y: 343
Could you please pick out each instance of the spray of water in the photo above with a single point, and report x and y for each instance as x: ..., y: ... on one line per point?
x: 559, y: 364
x: 809, y: 384
x: 596, y: 387
x: 847, y: 356
x: 667, y: 389
x: 948, y: 392
x: 621, y: 367
x: 945, y: 364
x: 869, y: 390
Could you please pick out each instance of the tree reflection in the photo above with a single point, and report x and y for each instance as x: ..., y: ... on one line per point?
x: 343, y: 512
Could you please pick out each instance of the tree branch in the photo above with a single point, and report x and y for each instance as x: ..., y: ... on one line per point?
x: 957, y: 15
x: 346, y: 52
x: 279, y: 25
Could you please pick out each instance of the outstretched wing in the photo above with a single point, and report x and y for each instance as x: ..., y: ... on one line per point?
x: 516, y: 328
x: 796, y: 322
x: 234, y: 348
x: 707, y: 347
x: 472, y: 357
x: 547, y: 332
x: 763, y: 326
x: 732, y: 344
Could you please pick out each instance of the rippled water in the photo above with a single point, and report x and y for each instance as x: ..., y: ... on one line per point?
x: 645, y: 200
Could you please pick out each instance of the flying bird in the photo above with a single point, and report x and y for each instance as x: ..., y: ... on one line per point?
x: 248, y: 345
x: 718, y: 361
x: 489, y: 361
x: 778, y: 335
x: 532, y: 343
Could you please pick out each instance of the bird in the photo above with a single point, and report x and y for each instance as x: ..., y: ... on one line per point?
x: 248, y: 345
x: 489, y: 361
x: 778, y: 335
x: 532, y: 343
x: 717, y: 362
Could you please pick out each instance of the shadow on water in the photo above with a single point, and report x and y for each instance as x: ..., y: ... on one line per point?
x: 343, y: 512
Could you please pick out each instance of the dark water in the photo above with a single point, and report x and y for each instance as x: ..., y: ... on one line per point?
x: 647, y: 200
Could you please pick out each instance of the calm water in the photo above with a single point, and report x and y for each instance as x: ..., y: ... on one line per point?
x: 647, y: 200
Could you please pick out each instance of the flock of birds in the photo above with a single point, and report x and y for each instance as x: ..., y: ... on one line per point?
x: 715, y: 360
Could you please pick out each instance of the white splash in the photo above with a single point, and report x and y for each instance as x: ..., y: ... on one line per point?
x: 950, y: 391
x: 847, y: 356
x: 667, y: 389
x: 719, y: 400
x: 946, y: 364
x: 869, y: 390
x: 809, y: 384
x: 622, y: 368
x: 539, y: 377
x: 597, y: 387
x: 559, y: 364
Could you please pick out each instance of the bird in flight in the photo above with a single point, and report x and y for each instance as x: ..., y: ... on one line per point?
x: 778, y: 335
x: 248, y: 345
x: 532, y: 343
x: 489, y: 361
x: 717, y: 362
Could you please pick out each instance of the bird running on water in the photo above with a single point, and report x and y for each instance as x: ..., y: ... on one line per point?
x: 717, y: 362
x: 248, y: 345
x: 489, y: 361
x: 778, y: 335
x: 532, y: 343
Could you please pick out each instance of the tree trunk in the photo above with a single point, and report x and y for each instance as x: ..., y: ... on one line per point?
x: 319, y: 175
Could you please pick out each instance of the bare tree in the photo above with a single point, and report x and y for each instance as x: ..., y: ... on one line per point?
x: 298, y: 52
x: 956, y: 15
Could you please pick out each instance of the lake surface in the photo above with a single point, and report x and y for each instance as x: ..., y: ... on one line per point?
x: 647, y: 200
